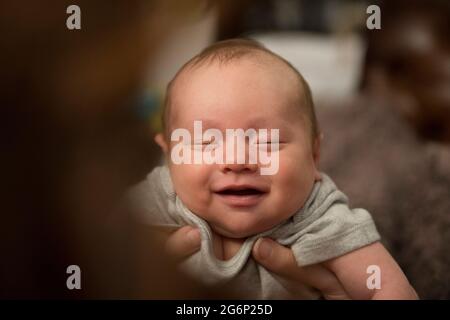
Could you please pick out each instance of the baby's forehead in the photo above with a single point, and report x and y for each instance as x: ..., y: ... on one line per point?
x: 263, y: 62
x: 273, y: 71
x: 245, y: 72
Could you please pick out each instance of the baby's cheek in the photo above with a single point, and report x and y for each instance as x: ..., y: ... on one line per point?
x: 289, y: 170
x: 191, y: 185
x: 295, y: 181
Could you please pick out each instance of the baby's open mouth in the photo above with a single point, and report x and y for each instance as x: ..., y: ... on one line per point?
x: 241, y: 192
x: 241, y: 196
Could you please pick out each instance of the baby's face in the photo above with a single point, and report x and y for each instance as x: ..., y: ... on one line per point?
x: 244, y: 95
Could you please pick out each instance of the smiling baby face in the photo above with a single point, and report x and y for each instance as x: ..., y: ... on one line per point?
x: 253, y: 92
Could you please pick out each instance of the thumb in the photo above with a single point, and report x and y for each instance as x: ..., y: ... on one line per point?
x: 274, y: 257
x: 281, y: 261
x: 183, y: 242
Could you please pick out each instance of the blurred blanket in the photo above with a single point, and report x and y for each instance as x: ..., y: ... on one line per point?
x: 378, y: 161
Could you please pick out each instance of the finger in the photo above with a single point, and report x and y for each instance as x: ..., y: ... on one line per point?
x: 183, y: 242
x: 281, y: 260
x: 324, y: 280
x: 274, y: 257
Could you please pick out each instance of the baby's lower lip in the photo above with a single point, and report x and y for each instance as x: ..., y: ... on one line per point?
x: 247, y: 200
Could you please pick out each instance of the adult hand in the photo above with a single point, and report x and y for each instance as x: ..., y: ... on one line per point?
x: 183, y: 242
x: 280, y: 260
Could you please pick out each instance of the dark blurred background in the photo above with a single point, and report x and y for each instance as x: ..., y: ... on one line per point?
x: 80, y: 108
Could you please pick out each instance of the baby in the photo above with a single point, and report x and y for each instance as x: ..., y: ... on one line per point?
x: 240, y: 84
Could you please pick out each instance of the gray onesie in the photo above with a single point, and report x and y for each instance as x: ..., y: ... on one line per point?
x: 324, y: 228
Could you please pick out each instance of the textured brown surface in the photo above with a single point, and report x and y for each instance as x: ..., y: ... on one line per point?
x: 377, y: 160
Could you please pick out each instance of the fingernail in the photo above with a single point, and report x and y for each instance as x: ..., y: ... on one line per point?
x: 194, y: 236
x: 264, y: 249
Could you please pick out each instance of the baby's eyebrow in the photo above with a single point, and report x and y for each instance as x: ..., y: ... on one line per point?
x: 210, y: 124
x: 265, y: 123
x: 253, y: 123
x: 260, y: 123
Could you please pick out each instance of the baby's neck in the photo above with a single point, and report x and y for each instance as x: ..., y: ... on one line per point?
x: 225, y: 248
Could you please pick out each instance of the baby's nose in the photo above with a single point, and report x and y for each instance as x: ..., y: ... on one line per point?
x: 239, y: 168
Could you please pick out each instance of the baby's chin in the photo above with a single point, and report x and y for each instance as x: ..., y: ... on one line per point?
x: 231, y: 235
x: 238, y: 232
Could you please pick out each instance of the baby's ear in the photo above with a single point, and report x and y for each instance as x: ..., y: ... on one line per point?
x: 161, y: 141
x: 316, y: 154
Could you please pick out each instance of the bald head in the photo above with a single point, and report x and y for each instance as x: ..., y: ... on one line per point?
x: 242, y: 51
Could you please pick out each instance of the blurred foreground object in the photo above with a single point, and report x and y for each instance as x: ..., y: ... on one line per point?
x: 72, y: 141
